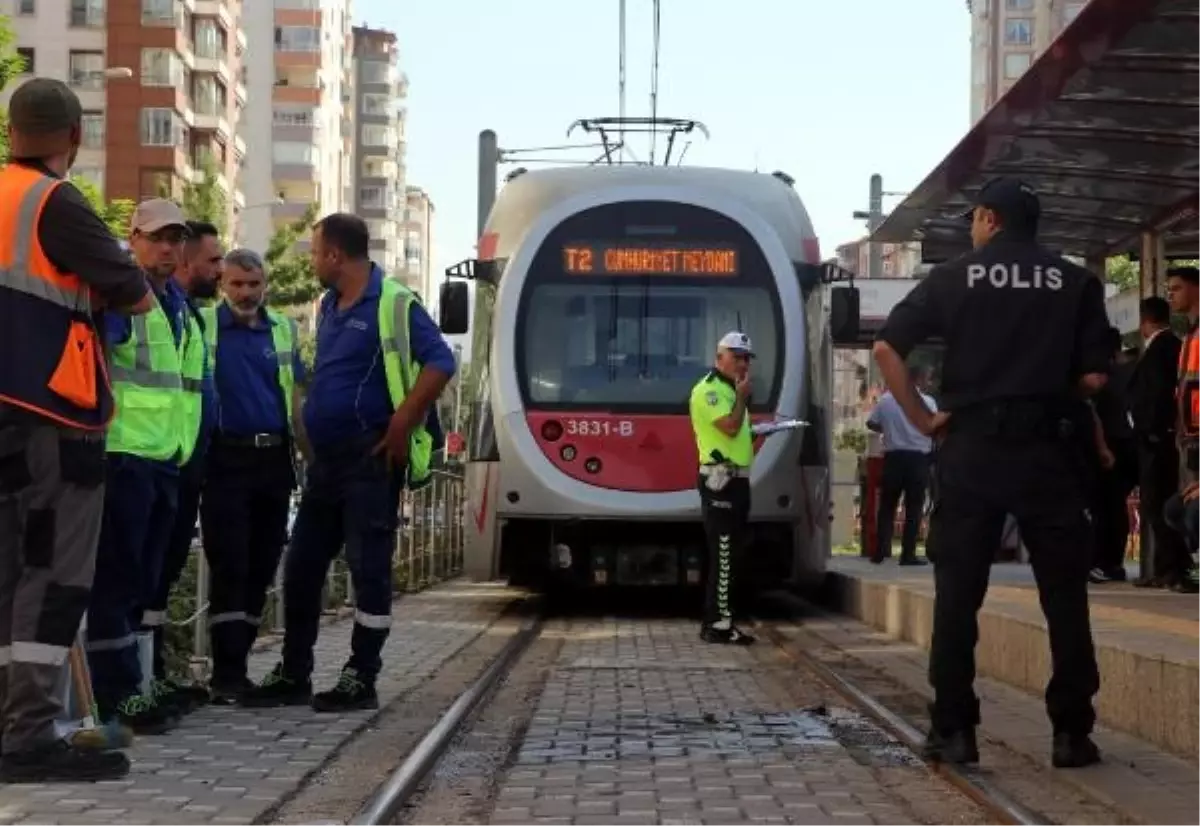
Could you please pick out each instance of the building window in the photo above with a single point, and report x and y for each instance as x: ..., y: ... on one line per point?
x: 378, y: 167
x: 293, y: 152
x: 26, y: 7
x: 373, y: 103
x: 297, y: 39
x: 161, y: 67
x: 86, y: 69
x: 209, y: 39
x: 376, y: 197
x: 1018, y: 31
x: 28, y: 60
x: 162, y: 127
x: 1018, y: 5
x: 1015, y: 64
x: 377, y: 71
x: 87, y: 13
x: 209, y: 96
x: 156, y: 183
x: 93, y: 130
x: 1071, y: 11
x: 294, y: 117
x: 160, y: 12
x: 374, y: 134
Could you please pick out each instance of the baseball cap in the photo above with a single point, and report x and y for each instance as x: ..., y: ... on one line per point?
x: 736, y: 342
x: 155, y: 214
x: 1013, y: 200
x: 43, y: 106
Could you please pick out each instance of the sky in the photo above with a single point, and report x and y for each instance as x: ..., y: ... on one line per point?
x: 828, y: 91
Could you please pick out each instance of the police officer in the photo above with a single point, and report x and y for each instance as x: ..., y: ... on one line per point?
x: 199, y: 271
x: 157, y: 373
x: 1025, y: 334
x: 721, y: 423
x: 369, y: 415
x: 250, y: 472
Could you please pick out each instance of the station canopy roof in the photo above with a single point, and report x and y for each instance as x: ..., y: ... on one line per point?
x: 1104, y: 125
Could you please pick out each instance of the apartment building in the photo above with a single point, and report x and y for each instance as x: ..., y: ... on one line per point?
x: 1006, y: 37
x: 418, y: 244
x: 298, y: 76
x: 178, y: 111
x: 380, y: 89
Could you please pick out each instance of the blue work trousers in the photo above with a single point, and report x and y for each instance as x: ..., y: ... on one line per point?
x: 350, y: 498
x: 139, y: 514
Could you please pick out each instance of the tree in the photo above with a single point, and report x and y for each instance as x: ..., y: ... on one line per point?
x: 1122, y: 272
x: 205, y: 199
x: 114, y: 213
x: 290, y: 272
x: 11, y: 65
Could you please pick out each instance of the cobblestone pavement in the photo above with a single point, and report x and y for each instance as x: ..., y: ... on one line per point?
x: 225, y: 765
x: 640, y: 722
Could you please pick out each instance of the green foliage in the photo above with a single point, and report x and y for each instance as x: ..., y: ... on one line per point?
x: 205, y: 199
x: 852, y: 438
x: 11, y: 65
x: 114, y: 213
x: 308, y: 350
x: 290, y: 273
x: 1121, y: 272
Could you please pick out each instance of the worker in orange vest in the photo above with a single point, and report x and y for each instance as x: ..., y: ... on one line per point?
x: 1183, y: 294
x: 59, y: 264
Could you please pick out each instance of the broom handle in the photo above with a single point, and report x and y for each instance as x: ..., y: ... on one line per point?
x: 81, y: 679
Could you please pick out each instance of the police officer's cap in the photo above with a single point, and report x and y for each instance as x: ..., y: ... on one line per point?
x: 1014, y: 201
x: 736, y: 342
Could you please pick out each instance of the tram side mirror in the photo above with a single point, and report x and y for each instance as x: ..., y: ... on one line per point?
x: 454, y: 308
x: 843, y: 315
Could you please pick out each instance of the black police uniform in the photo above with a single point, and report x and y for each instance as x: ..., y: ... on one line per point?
x: 1021, y: 325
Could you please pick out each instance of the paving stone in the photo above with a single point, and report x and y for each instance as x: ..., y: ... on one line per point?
x: 228, y: 765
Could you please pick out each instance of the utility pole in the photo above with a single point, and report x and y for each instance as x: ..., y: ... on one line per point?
x: 874, y: 218
x: 489, y: 161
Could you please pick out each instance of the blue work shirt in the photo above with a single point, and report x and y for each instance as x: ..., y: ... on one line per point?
x: 249, y: 399
x: 177, y: 306
x: 348, y: 394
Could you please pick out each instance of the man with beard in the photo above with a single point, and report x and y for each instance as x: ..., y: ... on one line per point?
x: 199, y: 272
x: 250, y: 474
x: 157, y: 373
x: 369, y: 415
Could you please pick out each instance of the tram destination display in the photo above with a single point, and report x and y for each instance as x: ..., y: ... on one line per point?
x: 629, y: 259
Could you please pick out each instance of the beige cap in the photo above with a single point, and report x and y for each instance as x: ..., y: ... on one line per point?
x: 155, y: 214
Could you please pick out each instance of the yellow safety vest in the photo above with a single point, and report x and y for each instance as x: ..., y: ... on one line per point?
x: 712, y: 398
x: 283, y: 340
x: 401, y: 371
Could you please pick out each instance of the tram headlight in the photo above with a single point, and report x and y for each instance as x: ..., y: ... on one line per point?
x: 592, y: 465
x: 552, y: 431
x: 567, y: 453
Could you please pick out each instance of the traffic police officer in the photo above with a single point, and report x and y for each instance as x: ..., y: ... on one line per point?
x: 369, y: 415
x: 250, y: 471
x: 721, y: 423
x: 1025, y: 334
x: 157, y: 374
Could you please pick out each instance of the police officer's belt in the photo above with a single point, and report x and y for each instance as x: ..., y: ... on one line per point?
x: 1019, y: 419
x: 733, y: 471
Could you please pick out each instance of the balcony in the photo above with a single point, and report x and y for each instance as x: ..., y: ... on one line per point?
x: 219, y: 9
x: 211, y: 117
x: 283, y: 172
x: 309, y: 94
x: 289, y: 211
x: 297, y: 132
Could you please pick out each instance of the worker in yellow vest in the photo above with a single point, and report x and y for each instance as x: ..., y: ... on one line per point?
x: 157, y: 369
x: 369, y: 416
x: 1183, y: 292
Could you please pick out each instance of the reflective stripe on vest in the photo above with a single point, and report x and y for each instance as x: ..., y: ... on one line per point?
x: 40, y: 304
x: 1189, y: 383
x: 401, y: 371
x: 283, y: 340
x: 158, y: 388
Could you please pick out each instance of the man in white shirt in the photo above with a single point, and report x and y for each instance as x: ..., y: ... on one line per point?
x: 906, y: 459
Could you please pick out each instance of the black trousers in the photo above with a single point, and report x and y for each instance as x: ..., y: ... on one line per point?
x: 183, y: 533
x: 1167, y: 557
x: 244, y: 518
x: 1110, y: 511
x: 726, y: 515
x: 905, y: 473
x: 980, y: 480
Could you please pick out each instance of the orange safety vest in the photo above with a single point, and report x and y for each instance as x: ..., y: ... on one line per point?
x: 51, y: 360
x: 1189, y: 384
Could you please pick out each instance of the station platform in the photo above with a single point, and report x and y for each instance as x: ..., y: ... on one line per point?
x: 1146, y: 640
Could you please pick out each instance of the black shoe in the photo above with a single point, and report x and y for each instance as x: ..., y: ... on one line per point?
x: 59, y: 762
x: 726, y: 636
x: 1074, y: 751
x: 277, y: 690
x: 229, y: 692
x: 954, y: 747
x: 142, y: 713
x: 177, y: 697
x: 352, y: 693
x: 1116, y: 574
x: 913, y: 561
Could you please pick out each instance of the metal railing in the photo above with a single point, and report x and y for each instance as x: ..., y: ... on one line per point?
x: 428, y: 549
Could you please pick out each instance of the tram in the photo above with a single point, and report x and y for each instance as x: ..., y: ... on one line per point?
x: 600, y: 295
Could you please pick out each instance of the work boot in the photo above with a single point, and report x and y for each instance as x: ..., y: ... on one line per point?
x: 229, y: 692
x: 142, y: 713
x: 913, y: 561
x: 1074, y: 751
x: 952, y: 747
x: 59, y: 762
x: 726, y: 636
x: 276, y: 690
x: 352, y: 693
